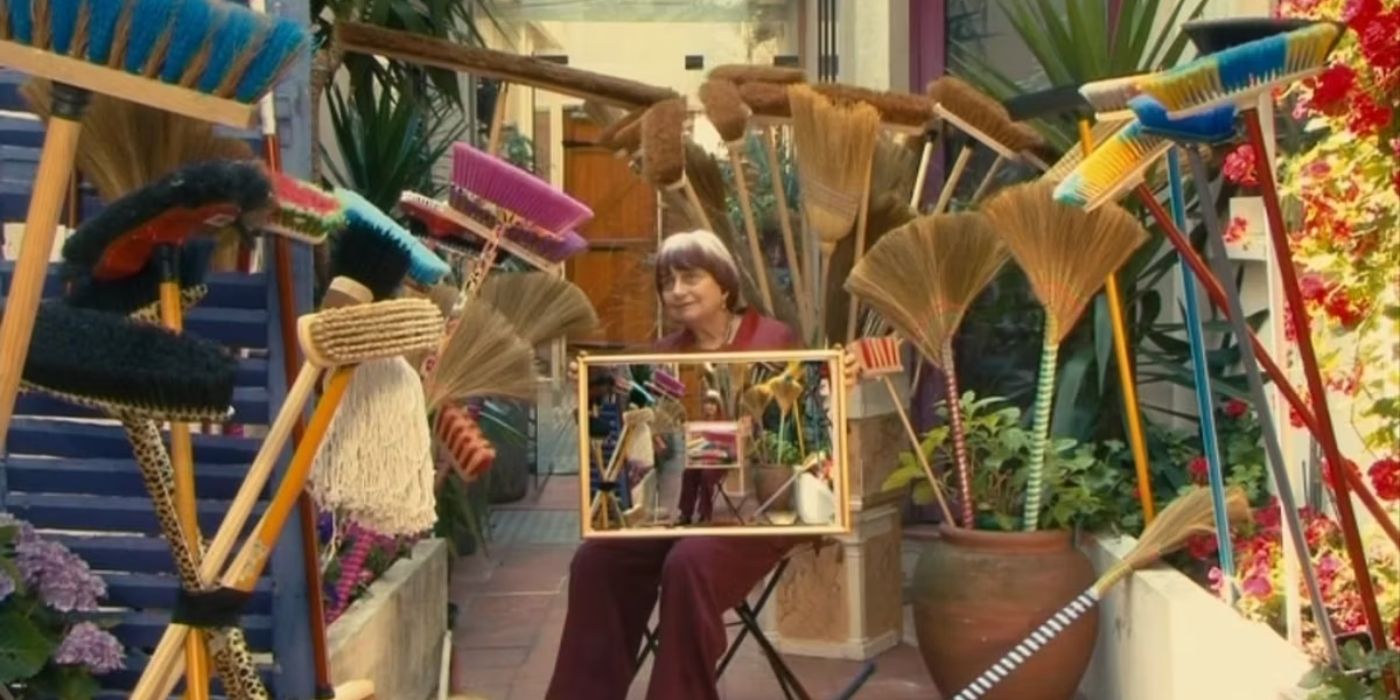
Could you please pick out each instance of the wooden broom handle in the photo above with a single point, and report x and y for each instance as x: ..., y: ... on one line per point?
x: 498, y: 118
x: 165, y: 668
x: 805, y: 311
x: 862, y: 223
x: 946, y: 196
x: 741, y: 184
x: 32, y: 266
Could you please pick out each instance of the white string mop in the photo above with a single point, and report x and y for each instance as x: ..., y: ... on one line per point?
x: 375, y: 466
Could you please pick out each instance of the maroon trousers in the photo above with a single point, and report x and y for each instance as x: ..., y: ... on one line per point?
x: 698, y: 487
x: 613, y: 585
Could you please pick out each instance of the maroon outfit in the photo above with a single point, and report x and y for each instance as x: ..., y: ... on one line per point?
x: 613, y: 587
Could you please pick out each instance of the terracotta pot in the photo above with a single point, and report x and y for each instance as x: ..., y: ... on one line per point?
x: 977, y: 594
x: 767, y: 481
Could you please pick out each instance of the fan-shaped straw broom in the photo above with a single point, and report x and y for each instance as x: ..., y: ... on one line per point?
x: 484, y: 355
x: 834, y: 146
x: 1187, y: 516
x: 1066, y: 254
x: 922, y: 278
x: 541, y: 306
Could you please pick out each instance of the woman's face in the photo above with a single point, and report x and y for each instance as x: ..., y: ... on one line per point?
x: 691, y: 296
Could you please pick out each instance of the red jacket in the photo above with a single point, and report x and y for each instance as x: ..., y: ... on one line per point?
x: 756, y: 332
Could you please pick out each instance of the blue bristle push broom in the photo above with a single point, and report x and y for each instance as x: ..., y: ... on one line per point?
x: 201, y: 58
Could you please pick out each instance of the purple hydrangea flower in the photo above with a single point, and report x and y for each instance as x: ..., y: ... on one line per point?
x: 61, y: 577
x: 90, y: 646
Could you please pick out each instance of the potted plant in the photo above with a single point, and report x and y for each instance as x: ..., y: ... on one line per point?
x: 51, y: 644
x: 978, y: 591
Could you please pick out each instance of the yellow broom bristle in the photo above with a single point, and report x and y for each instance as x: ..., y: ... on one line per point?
x: 1198, y: 85
x: 1189, y: 515
x: 1112, y: 168
x: 1101, y: 132
x: 833, y: 145
x: 542, y: 306
x: 483, y: 357
x: 725, y: 109
x: 923, y: 276
x: 1065, y: 252
x: 663, y: 143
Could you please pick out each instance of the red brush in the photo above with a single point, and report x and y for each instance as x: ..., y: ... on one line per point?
x: 470, y: 450
x: 434, y: 215
x: 878, y: 356
x: 304, y: 212
x: 515, y: 191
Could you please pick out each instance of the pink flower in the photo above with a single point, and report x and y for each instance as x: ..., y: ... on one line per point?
x: 1199, y: 470
x: 1200, y: 547
x: 1236, y: 408
x: 1258, y: 586
x: 1239, y: 166
x: 1216, y: 578
x: 1385, y: 477
x: 1235, y: 232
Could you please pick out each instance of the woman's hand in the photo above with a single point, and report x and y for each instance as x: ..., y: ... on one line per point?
x: 851, y: 371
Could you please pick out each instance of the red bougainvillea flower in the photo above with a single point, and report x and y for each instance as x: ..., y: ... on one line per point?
x: 1201, y: 547
x: 1199, y: 470
x: 1236, y: 408
x: 1269, y: 518
x: 1357, y: 13
x: 1320, y: 530
x: 1377, y: 33
x: 1395, y: 631
x: 1235, y: 232
x: 1368, y: 117
x: 1327, y: 471
x: 1344, y: 309
x: 1331, y: 88
x: 1385, y: 477
x: 1239, y: 166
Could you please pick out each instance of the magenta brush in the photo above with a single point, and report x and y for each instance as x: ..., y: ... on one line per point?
x: 516, y: 191
x: 552, y: 246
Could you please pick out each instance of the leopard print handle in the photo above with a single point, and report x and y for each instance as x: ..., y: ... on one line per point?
x: 232, y: 659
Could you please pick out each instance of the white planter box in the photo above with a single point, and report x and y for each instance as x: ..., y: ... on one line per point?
x: 393, y: 635
x: 1162, y: 637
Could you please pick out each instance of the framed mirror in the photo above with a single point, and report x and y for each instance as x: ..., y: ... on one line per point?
x: 737, y: 443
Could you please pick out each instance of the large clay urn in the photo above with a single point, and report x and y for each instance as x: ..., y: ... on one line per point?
x: 979, y: 593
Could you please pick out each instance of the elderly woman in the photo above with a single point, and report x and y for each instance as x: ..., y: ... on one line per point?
x: 614, y: 584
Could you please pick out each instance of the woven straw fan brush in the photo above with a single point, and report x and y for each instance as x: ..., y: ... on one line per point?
x: 922, y: 278
x: 1066, y: 253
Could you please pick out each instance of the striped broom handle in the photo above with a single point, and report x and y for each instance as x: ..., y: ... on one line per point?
x: 955, y: 421
x: 1041, y: 637
x: 1044, y: 392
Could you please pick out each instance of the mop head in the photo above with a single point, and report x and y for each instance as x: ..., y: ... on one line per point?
x: 104, y: 361
x: 139, y: 294
x: 375, y: 466
x: 204, y: 197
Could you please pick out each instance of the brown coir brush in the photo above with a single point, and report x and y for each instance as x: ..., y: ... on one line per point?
x: 739, y: 74
x: 986, y: 121
x: 730, y: 117
x: 897, y: 109
x: 663, y: 152
x: 766, y: 99
x: 622, y: 137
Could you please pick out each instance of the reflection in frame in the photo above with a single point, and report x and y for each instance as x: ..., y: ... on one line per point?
x: 732, y: 443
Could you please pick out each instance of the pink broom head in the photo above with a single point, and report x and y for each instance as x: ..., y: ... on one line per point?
x: 432, y: 214
x: 878, y: 356
x: 303, y: 211
x: 554, y: 247
x: 504, y: 185
x: 663, y: 382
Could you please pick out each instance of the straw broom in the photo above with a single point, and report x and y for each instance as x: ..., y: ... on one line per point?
x: 540, y: 306
x: 835, y: 146
x: 483, y: 356
x: 1066, y: 254
x: 1189, y: 515
x: 922, y: 278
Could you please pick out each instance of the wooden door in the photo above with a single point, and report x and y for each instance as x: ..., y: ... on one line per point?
x: 615, y: 270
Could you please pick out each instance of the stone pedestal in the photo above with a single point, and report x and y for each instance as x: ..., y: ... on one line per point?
x: 845, y: 601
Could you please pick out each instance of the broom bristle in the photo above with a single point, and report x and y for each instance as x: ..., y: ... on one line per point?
x: 1065, y: 252
x: 726, y: 109
x: 900, y: 108
x: 663, y: 143
x: 766, y: 99
x: 982, y: 112
x: 923, y: 276
x: 1190, y: 514
x: 741, y: 74
x: 540, y: 305
x: 833, y: 147
x: 483, y: 357
x: 1101, y: 132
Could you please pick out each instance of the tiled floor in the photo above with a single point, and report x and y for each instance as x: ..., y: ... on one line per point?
x: 513, y: 603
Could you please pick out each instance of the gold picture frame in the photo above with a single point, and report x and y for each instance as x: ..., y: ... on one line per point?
x: 823, y: 474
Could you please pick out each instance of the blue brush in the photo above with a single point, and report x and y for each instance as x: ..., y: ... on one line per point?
x: 1214, y: 127
x: 424, y: 268
x: 1205, y: 404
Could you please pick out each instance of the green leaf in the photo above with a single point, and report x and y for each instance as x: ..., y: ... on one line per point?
x: 23, y: 647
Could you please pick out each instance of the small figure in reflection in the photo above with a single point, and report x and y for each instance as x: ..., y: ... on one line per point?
x: 615, y: 584
x: 698, y: 486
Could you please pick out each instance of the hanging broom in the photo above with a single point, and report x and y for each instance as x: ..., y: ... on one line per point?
x: 483, y: 356
x: 1189, y: 515
x: 922, y: 278
x: 834, y: 146
x: 663, y: 154
x: 1066, y: 253
x: 985, y: 121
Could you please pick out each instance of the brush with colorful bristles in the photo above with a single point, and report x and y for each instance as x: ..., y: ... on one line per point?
x: 205, y: 60
x: 922, y: 278
x: 469, y: 218
x: 985, y: 121
x: 424, y: 268
x: 1116, y: 167
x: 1241, y: 75
x: 730, y: 117
x: 1066, y: 253
x: 1187, y: 516
x: 1156, y: 122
